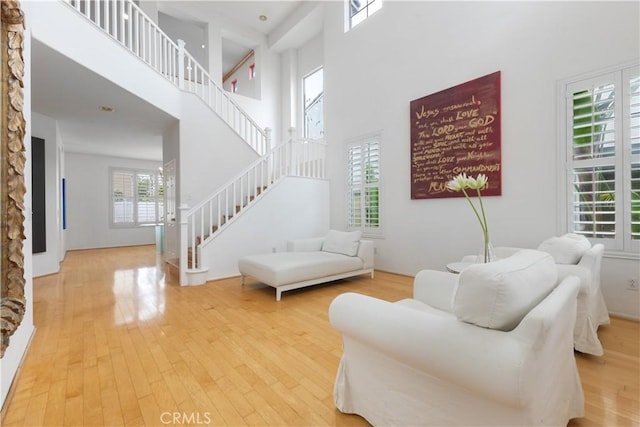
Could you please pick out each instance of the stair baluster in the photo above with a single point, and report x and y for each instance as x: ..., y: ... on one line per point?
x: 292, y: 158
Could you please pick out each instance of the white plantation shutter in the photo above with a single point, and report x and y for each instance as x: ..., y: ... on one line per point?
x: 123, y: 197
x: 603, y: 153
x: 364, y: 186
x: 632, y: 113
x: 594, y: 133
x: 372, y: 186
x: 136, y: 197
x: 634, y: 198
x: 594, y: 213
x: 355, y: 186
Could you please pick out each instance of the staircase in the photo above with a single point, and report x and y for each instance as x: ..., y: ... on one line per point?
x: 127, y: 24
x: 203, y: 223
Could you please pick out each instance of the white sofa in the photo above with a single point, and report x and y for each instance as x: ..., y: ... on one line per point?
x: 311, y: 261
x: 574, y: 256
x: 491, y: 346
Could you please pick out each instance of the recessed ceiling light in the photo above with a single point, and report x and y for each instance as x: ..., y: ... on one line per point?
x: 105, y: 108
x: 263, y: 17
x: 203, y: 46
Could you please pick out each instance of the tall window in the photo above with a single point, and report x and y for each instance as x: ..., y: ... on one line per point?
x: 136, y: 197
x: 603, y: 158
x: 359, y: 10
x: 364, y: 186
x: 313, y: 88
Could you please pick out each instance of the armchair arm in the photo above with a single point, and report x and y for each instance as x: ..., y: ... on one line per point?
x: 441, y: 346
x: 366, y: 253
x: 587, y: 269
x: 592, y: 260
x: 582, y: 273
x: 435, y: 288
x: 593, y: 257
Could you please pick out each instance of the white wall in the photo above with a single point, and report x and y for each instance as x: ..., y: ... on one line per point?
x: 264, y: 108
x: 245, y: 86
x: 192, y: 34
x: 294, y: 208
x: 211, y: 153
x: 171, y: 151
x: 88, y: 203
x: 411, y: 49
x: 47, y: 128
x: 289, y: 90
x: 21, y: 338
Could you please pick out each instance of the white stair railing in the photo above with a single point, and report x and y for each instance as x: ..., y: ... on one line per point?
x: 301, y: 158
x: 132, y: 28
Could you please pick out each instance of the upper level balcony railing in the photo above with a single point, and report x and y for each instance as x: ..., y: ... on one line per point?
x: 132, y: 28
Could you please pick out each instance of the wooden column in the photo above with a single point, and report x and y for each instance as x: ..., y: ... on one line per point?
x: 12, y: 165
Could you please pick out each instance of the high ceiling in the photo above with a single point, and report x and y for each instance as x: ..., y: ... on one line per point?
x: 134, y: 129
x: 237, y: 17
x: 239, y: 13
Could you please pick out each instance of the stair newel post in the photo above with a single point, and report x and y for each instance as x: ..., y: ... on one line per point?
x: 266, y: 149
x: 184, y: 243
x: 267, y: 139
x: 293, y: 151
x: 181, y: 45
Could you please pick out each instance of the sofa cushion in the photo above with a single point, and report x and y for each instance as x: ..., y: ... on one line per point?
x: 312, y: 244
x: 342, y: 242
x: 497, y: 295
x: 566, y: 249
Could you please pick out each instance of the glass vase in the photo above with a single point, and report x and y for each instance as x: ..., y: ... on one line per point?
x: 486, y: 253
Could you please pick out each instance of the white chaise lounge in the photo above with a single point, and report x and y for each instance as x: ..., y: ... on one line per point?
x: 311, y: 261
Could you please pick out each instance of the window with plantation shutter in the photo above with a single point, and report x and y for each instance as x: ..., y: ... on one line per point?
x: 364, y: 186
x: 136, y: 197
x: 603, y: 158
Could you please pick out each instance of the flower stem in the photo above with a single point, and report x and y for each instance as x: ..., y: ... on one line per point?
x: 483, y: 222
x: 484, y: 217
x: 475, y: 211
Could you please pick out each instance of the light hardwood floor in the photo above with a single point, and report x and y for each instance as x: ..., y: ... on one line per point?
x: 118, y: 342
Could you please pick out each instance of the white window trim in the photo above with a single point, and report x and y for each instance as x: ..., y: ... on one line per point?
x: 359, y: 141
x: 622, y: 247
x: 135, y: 223
x: 303, y: 101
x: 348, y: 24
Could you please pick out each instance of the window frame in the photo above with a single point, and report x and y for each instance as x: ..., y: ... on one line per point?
x: 318, y: 99
x: 367, y: 230
x: 367, y: 10
x: 158, y: 197
x: 621, y: 245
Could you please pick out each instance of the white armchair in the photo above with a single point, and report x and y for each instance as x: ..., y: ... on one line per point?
x: 574, y: 256
x: 491, y: 346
